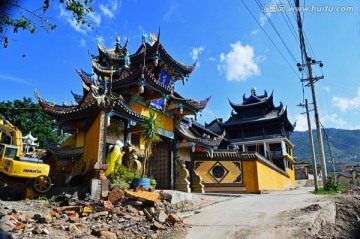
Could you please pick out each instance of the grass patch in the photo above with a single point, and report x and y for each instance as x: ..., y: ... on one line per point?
x: 331, y: 191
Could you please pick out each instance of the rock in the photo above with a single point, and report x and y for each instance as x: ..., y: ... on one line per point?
x: 74, y: 230
x: 116, y: 195
x: 39, y: 218
x: 36, y: 230
x: 161, y: 216
x: 54, y: 214
x: 69, y: 208
x: 132, y: 209
x: 140, y: 188
x: 147, y: 215
x: 70, y: 212
x: 108, y: 205
x: 107, y: 235
x: 143, y: 196
x: 173, y: 218
x: 19, y: 226
x: 74, y: 218
x: 165, y: 196
x: 157, y: 226
x: 45, y: 231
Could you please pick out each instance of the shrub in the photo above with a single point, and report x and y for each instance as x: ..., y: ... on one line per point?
x: 122, y: 177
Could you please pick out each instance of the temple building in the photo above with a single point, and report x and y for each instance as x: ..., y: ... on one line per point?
x: 120, y: 91
x: 256, y: 153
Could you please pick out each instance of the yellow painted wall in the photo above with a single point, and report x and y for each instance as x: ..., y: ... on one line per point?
x: 250, y: 176
x: 269, y: 179
x: 80, y: 138
x: 344, y: 180
x: 91, y: 149
x: 165, y: 122
x: 292, y: 175
x: 256, y: 176
x: 230, y: 177
x: 75, y: 140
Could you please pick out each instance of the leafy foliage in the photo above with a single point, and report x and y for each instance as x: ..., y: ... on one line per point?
x: 33, y: 20
x: 122, y: 177
x: 149, y: 130
x: 29, y: 116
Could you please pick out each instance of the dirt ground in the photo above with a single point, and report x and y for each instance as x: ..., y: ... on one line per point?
x: 339, y: 217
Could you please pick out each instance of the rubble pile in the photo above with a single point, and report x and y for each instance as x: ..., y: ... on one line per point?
x: 126, y: 214
x: 352, y: 190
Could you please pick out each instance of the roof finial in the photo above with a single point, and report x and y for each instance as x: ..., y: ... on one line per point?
x: 253, y: 91
x: 158, y: 37
x: 118, y: 44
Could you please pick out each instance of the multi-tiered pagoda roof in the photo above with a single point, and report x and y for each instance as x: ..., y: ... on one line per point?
x: 255, y: 118
x: 118, y: 79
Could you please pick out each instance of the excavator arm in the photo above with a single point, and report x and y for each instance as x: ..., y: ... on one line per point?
x: 13, y: 132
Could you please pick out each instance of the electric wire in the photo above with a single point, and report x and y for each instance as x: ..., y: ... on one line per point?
x: 276, y: 31
x: 270, y: 38
x: 288, y: 23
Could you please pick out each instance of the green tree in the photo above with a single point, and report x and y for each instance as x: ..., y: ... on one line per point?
x: 28, y: 116
x: 33, y: 20
x: 149, y: 130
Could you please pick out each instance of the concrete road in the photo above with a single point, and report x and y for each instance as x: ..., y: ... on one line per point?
x: 251, y: 216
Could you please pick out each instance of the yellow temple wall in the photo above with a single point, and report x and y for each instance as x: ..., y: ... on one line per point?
x: 164, y: 121
x: 250, y: 176
x: 230, y: 177
x: 75, y: 140
x: 269, y: 179
x: 91, y: 150
x: 80, y: 138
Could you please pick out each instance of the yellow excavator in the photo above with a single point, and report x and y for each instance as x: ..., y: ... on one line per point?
x: 15, y: 168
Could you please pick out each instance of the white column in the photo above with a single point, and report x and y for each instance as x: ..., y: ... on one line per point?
x: 243, y: 148
x: 265, y: 150
x: 283, y: 147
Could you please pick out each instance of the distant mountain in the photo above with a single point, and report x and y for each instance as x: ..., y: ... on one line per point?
x: 344, y: 144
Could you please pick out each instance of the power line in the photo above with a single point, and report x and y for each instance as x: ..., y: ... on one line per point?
x: 270, y: 38
x: 289, y: 24
x: 276, y: 31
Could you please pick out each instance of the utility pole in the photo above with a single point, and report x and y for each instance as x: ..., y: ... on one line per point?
x: 331, y: 155
x: 312, y: 80
x: 316, y: 183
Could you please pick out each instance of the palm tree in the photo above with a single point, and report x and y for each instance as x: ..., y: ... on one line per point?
x: 149, y: 130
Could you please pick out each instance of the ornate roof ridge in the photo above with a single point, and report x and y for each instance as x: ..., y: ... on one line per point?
x: 197, y: 104
x: 101, y: 68
x: 113, y: 53
x: 159, y: 49
x: 205, y: 141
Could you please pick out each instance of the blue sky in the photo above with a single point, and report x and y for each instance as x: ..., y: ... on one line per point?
x: 233, y: 53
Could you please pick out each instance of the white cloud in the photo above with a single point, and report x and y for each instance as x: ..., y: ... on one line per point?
x: 212, y: 59
x: 141, y: 29
x: 327, y: 89
x: 65, y: 15
x: 301, y: 123
x: 82, y: 42
x: 109, y: 8
x: 169, y: 12
x: 15, y: 79
x: 195, y: 52
x: 207, y: 116
x: 239, y: 64
x: 334, y: 120
x: 345, y: 104
x: 96, y: 18
x: 106, y: 11
x: 100, y: 39
x: 254, y: 32
x: 263, y: 19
